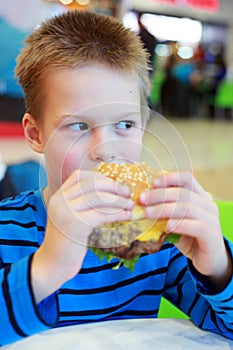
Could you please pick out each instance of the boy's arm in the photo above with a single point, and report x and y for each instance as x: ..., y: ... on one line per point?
x: 219, y: 316
x: 193, y: 214
x: 20, y: 316
x: 73, y: 211
x: 191, y: 292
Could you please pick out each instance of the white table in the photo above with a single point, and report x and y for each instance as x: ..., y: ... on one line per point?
x: 161, y: 334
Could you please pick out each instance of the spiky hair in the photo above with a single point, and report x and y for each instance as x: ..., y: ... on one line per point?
x: 72, y: 40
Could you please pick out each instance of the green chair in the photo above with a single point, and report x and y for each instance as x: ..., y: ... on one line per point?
x: 224, y: 96
x: 157, y: 82
x: 167, y: 310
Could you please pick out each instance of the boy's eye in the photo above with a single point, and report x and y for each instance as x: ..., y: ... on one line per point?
x: 124, y: 125
x: 79, y: 126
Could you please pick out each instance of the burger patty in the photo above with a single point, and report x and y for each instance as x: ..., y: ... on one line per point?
x: 137, y: 247
x: 122, y: 241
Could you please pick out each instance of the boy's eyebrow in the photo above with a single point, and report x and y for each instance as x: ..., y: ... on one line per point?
x: 71, y: 116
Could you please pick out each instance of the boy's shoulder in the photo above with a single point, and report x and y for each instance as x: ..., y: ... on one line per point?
x: 25, y: 211
x: 27, y: 197
x: 22, y: 225
x: 27, y: 204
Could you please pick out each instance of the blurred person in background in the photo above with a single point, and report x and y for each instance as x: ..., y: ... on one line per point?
x: 179, y: 87
x: 214, y: 72
x: 149, y: 41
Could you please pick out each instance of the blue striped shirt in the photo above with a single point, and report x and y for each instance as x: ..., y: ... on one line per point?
x: 97, y: 292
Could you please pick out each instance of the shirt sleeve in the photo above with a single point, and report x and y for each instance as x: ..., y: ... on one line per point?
x: 20, y: 316
x: 192, y: 294
x: 221, y: 311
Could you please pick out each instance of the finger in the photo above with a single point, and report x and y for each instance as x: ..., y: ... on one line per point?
x: 183, y: 179
x: 80, y: 175
x: 180, y: 211
x: 202, y: 235
x: 102, y: 184
x: 193, y: 228
x: 177, y: 194
x: 76, y: 176
x: 99, y: 200
x: 103, y: 216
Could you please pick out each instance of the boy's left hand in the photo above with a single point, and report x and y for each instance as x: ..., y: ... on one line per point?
x: 191, y: 212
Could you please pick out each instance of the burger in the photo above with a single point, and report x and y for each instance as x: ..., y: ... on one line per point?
x: 129, y: 239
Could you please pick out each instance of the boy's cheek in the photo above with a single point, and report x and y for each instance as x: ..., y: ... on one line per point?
x: 69, y: 165
x: 60, y: 164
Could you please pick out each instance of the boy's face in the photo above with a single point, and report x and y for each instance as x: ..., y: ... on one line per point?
x: 90, y: 115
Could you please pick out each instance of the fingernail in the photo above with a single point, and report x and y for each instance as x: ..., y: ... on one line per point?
x: 127, y: 191
x: 150, y: 211
x: 130, y: 204
x: 143, y: 197
x: 156, y: 182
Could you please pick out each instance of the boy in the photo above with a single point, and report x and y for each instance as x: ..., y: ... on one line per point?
x: 86, y: 84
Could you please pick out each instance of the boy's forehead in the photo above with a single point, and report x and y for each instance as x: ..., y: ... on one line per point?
x: 114, y: 108
x: 90, y: 91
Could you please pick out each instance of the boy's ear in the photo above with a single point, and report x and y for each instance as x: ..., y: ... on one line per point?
x: 32, y: 132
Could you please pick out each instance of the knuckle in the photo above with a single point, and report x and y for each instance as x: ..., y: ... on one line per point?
x: 215, y: 208
x: 188, y: 177
x: 201, y: 226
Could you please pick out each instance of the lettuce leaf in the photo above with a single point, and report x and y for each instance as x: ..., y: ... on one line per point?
x: 128, y: 263
x: 173, y: 238
x: 109, y: 256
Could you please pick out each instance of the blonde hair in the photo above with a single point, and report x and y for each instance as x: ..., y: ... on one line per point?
x: 72, y: 40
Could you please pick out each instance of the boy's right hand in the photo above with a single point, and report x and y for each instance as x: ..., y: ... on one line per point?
x: 86, y: 200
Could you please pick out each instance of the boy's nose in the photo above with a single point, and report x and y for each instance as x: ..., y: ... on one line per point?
x: 103, y: 147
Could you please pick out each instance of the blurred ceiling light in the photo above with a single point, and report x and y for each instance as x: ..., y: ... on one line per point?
x: 163, y: 50
x: 66, y: 2
x: 173, y: 28
x: 83, y: 2
x: 185, y: 52
x: 130, y: 20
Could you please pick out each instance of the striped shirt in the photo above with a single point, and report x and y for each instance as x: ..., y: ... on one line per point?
x: 97, y: 292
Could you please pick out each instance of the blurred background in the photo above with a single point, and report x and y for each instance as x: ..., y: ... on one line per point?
x: 191, y: 59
